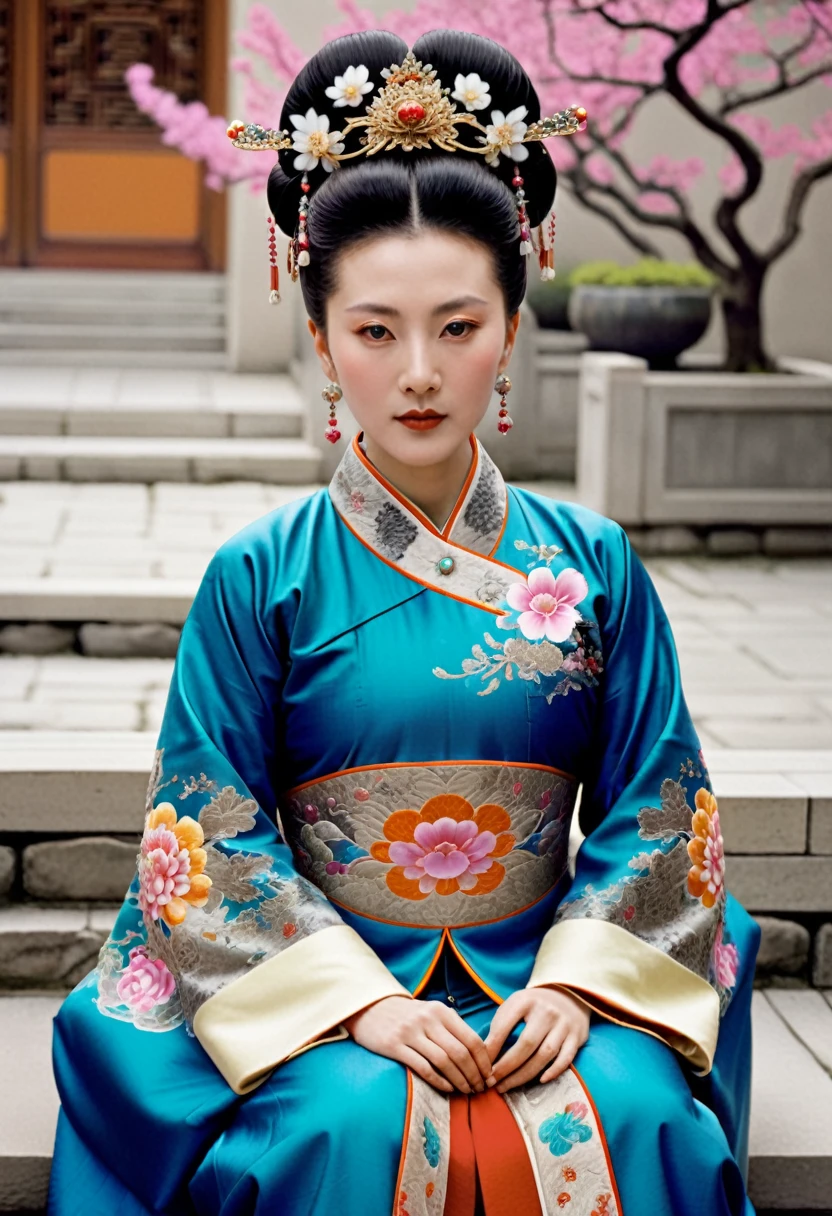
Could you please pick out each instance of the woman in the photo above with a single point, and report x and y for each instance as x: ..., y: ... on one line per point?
x: 354, y: 972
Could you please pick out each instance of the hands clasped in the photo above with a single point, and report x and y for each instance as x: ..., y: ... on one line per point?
x: 439, y: 1046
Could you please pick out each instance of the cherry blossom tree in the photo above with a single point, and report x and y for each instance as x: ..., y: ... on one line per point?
x: 718, y: 60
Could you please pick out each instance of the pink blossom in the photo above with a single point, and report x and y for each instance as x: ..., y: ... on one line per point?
x: 164, y: 870
x: 446, y: 848
x: 547, y: 604
x: 726, y: 960
x: 146, y: 982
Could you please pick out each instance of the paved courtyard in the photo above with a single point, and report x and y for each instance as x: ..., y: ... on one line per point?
x: 754, y: 633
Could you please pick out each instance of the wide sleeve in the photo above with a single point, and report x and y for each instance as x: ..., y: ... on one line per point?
x: 640, y: 933
x: 263, y: 963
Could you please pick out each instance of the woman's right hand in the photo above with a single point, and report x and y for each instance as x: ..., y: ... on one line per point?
x: 427, y: 1036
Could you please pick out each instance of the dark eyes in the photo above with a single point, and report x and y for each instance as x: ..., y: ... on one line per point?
x: 460, y: 329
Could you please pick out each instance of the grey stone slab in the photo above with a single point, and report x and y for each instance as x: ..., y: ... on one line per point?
x: 761, y: 813
x: 90, y: 599
x: 784, y: 947
x: 814, y: 733
x: 8, y: 869
x: 790, y: 1151
x: 810, y: 1018
x: 27, y: 1087
x: 781, y: 884
x: 822, y: 965
x: 770, y: 760
x: 85, y: 868
x: 42, y: 947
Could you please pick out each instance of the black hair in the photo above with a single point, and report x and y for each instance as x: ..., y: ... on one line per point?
x: 402, y: 191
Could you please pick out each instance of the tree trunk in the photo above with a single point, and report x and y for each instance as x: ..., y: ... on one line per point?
x: 742, y: 313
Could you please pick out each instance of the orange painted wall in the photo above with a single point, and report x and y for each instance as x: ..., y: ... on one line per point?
x: 110, y: 195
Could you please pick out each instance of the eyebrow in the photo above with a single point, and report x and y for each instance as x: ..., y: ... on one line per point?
x: 386, y: 310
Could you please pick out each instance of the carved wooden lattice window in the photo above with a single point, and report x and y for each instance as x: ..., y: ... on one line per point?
x: 5, y: 60
x: 90, y: 43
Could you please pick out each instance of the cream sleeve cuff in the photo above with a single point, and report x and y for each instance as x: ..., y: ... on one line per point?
x: 284, y: 1005
x: 631, y: 982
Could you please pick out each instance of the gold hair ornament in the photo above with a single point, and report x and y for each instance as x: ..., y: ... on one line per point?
x: 412, y: 110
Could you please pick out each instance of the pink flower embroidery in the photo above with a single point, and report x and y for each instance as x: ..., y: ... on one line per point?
x: 446, y: 847
x: 547, y: 604
x: 146, y: 982
x: 726, y: 960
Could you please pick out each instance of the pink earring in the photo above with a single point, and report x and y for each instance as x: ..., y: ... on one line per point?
x: 504, y: 423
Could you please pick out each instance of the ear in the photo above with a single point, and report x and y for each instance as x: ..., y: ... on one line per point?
x: 322, y: 349
x: 511, y: 334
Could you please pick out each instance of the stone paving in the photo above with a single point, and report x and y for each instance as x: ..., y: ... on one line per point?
x: 754, y: 633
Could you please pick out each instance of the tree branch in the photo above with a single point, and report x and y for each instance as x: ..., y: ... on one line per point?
x: 639, y: 243
x: 794, y: 208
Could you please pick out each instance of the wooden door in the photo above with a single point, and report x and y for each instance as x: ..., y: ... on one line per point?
x: 84, y: 178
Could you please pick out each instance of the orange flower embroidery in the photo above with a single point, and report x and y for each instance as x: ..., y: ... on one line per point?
x: 171, y: 864
x: 706, y: 875
x: 445, y: 847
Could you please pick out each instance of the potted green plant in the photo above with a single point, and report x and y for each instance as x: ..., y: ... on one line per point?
x: 653, y: 309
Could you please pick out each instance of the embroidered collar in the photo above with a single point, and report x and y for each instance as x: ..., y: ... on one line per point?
x: 456, y: 559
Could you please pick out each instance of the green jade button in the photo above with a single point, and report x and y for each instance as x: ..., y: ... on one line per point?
x: 445, y: 565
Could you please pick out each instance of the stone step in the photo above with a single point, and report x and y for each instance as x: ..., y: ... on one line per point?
x: 147, y: 460
x: 200, y: 336
x: 60, y: 310
x: 790, y: 1166
x: 278, y: 415
x: 200, y: 360
x: 122, y: 287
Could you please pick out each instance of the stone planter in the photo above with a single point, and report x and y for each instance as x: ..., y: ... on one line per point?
x: 703, y: 447
x: 655, y: 323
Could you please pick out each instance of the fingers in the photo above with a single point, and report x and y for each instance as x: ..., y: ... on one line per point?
x: 472, y: 1041
x: 454, y: 1060
x: 528, y: 1041
x: 503, y: 1022
x: 418, y: 1064
x: 532, y: 1068
x: 563, y: 1059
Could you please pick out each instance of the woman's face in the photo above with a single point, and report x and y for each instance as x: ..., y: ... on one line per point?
x: 416, y: 324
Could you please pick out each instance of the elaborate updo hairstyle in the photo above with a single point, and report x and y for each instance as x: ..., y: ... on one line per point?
x: 400, y: 191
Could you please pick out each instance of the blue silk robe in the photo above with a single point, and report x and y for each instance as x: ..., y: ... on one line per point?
x: 373, y: 745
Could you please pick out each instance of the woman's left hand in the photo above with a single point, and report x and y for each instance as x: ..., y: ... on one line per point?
x: 557, y: 1024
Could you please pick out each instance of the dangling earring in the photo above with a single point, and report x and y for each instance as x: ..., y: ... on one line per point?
x: 274, y: 281
x: 520, y: 197
x: 332, y: 393
x: 504, y: 423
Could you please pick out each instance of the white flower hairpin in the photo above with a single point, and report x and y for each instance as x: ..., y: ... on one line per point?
x: 505, y: 134
x: 314, y: 141
x: 349, y: 89
x: 472, y: 90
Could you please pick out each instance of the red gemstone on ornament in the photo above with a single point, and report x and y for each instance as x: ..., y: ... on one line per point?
x: 305, y: 187
x: 580, y: 113
x: 517, y: 181
x: 333, y: 436
x: 411, y: 112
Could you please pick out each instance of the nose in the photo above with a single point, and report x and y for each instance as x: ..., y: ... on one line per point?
x: 420, y: 375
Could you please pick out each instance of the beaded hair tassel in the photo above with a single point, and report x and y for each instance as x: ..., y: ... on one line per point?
x: 520, y: 197
x: 546, y: 247
x: 274, y: 280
